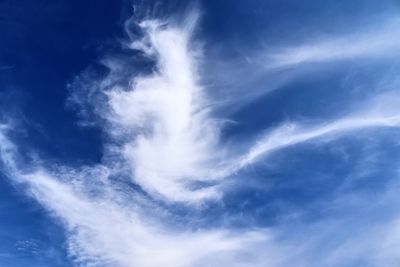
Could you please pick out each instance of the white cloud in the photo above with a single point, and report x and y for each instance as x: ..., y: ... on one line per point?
x: 108, y: 230
x: 163, y: 131
x: 171, y: 142
x: 113, y: 227
x: 379, y: 42
x: 292, y: 134
x: 255, y: 71
x: 175, y: 140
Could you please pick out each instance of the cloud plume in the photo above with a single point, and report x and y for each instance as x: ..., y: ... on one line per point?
x: 176, y: 138
x: 165, y: 149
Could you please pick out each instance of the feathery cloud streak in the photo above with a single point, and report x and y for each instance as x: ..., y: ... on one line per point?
x: 163, y: 132
x: 292, y: 134
x: 378, y: 42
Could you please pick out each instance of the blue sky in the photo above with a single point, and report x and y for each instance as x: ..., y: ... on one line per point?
x: 196, y: 134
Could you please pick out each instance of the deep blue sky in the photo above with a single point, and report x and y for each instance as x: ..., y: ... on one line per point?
x: 45, y: 45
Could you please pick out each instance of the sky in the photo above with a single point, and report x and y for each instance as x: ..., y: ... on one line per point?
x: 199, y: 133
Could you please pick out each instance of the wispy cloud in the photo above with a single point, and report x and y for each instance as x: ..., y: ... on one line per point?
x: 169, y: 141
x: 111, y: 227
x: 163, y: 135
x: 365, y: 43
x: 104, y: 231
x: 176, y: 139
x: 256, y: 71
x: 292, y: 134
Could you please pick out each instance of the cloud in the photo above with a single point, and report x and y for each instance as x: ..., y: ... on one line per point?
x: 363, y: 44
x: 106, y: 227
x: 161, y: 123
x: 170, y: 135
x: 176, y: 140
x: 168, y: 140
x: 7, y: 150
x: 164, y: 136
x: 292, y: 134
x: 253, y: 71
